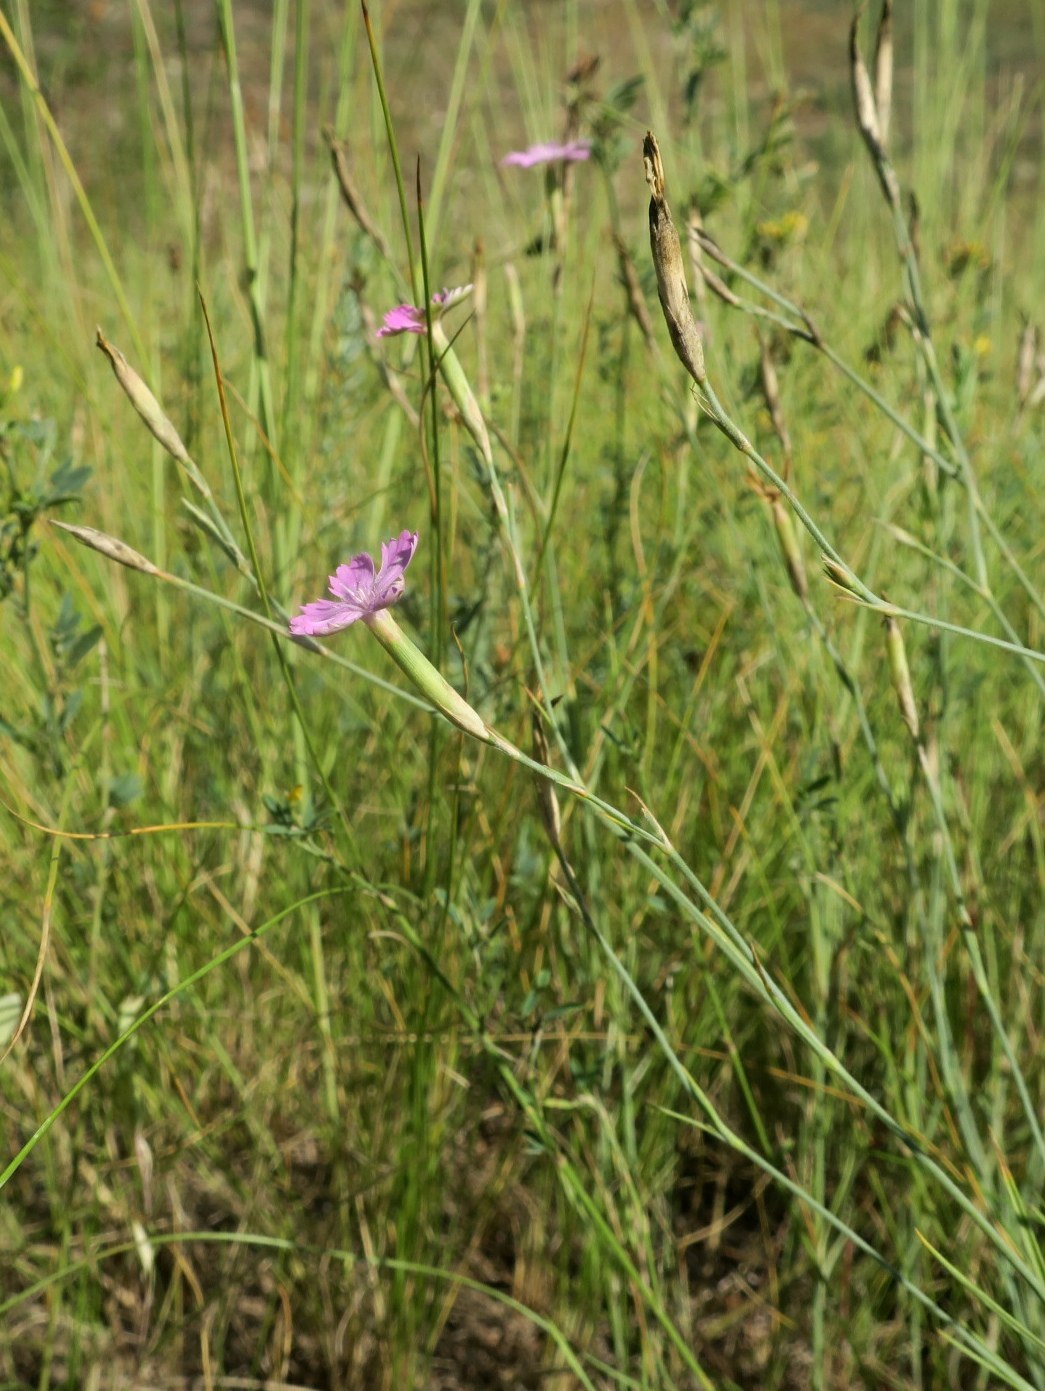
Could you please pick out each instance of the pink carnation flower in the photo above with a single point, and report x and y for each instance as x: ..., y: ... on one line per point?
x: 407, y: 318
x: 548, y: 153
x: 358, y: 590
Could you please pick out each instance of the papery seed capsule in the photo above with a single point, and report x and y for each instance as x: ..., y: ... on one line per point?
x: 867, y: 117
x: 863, y: 92
x: 883, y: 71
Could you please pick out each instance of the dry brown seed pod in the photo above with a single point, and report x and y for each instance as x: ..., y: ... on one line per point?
x: 671, y: 272
x: 353, y: 199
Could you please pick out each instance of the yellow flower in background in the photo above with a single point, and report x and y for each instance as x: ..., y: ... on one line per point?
x: 790, y: 227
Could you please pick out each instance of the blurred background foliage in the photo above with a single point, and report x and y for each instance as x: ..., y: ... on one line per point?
x: 422, y: 1087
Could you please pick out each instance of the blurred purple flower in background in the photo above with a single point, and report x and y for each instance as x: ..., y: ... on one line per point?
x: 404, y: 318
x: 407, y: 318
x: 548, y: 153
x: 359, y: 592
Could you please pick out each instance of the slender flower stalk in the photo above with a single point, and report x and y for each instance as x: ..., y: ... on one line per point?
x: 464, y: 398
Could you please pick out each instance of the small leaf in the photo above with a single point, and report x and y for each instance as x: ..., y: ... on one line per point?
x: 71, y: 709
x: 125, y: 789
x: 560, y: 1010
x: 623, y: 94
x: 81, y: 645
x: 10, y: 1013
x: 23, y: 737
x: 67, y: 482
x: 281, y: 812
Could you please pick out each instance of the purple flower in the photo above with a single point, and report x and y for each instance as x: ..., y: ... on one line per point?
x: 407, y: 318
x: 359, y: 592
x: 404, y: 318
x: 548, y: 153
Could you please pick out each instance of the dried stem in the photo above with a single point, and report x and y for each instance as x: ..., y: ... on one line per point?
x: 353, y: 199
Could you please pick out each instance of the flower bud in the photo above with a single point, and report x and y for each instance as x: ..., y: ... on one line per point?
x: 145, y: 403
x: 110, y: 547
x: 838, y: 575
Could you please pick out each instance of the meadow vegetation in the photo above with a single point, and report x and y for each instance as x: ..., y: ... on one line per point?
x: 687, y: 1030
